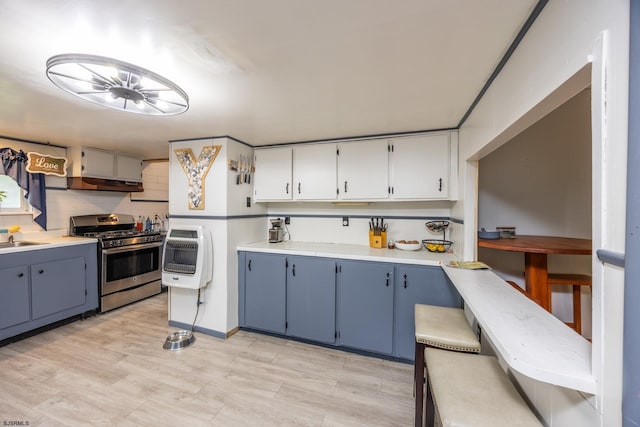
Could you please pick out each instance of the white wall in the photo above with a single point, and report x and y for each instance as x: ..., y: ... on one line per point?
x: 565, y: 38
x: 540, y: 182
x: 230, y: 222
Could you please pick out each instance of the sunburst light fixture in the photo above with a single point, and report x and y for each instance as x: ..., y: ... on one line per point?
x: 116, y: 84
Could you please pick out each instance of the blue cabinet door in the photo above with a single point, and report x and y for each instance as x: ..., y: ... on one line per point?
x: 419, y: 285
x: 365, y: 305
x: 265, y: 287
x: 311, y: 298
x: 57, y: 286
x: 14, y: 296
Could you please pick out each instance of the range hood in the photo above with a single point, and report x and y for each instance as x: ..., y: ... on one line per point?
x: 101, y: 184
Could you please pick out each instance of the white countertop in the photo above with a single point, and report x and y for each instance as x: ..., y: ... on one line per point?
x: 530, y: 340
x: 47, y: 243
x: 355, y: 252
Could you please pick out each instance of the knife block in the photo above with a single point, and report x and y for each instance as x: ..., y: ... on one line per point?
x: 378, y: 241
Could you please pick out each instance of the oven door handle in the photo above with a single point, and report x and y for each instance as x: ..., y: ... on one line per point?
x: 129, y: 248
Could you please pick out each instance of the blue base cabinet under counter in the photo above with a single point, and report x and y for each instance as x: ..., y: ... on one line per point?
x: 311, y: 298
x: 44, y: 286
x: 57, y: 286
x: 292, y: 295
x: 418, y: 285
x: 365, y: 305
x: 14, y: 296
x: 264, y: 292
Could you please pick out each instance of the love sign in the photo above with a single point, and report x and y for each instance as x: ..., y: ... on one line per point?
x: 48, y: 165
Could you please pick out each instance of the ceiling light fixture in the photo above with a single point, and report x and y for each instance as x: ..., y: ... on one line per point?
x: 116, y: 84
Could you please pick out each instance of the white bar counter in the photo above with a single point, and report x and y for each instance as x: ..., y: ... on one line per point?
x: 531, y: 341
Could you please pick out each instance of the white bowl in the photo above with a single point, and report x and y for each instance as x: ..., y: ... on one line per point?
x: 409, y: 246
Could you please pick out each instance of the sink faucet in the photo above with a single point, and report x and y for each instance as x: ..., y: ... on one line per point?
x: 11, y: 238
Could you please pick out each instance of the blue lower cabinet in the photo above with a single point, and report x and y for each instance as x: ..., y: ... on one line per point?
x: 14, y: 296
x: 362, y: 305
x: 57, y: 286
x: 419, y: 285
x: 365, y: 305
x: 42, y: 286
x: 311, y: 298
x: 264, y: 291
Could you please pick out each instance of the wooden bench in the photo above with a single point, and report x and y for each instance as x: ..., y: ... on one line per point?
x: 440, y: 327
x: 472, y: 390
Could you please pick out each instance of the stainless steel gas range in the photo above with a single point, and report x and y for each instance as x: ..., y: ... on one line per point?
x: 129, y: 266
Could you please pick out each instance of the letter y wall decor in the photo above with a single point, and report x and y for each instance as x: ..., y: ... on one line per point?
x: 196, y: 171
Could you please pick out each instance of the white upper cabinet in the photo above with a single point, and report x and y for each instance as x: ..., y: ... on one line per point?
x: 363, y: 170
x: 416, y: 167
x: 96, y: 163
x: 272, y: 179
x: 128, y: 168
x: 420, y: 167
x: 315, y: 172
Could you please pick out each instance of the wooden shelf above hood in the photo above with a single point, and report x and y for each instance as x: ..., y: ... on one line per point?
x: 99, y: 184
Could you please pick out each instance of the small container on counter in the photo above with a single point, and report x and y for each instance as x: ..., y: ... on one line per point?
x: 507, y: 232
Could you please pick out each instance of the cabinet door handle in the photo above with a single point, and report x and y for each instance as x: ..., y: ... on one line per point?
x: 345, y: 186
x: 20, y: 274
x: 293, y: 270
x: 440, y: 184
x: 40, y: 271
x: 405, y: 281
x: 287, y: 189
x: 249, y: 266
x: 298, y: 188
x: 388, y: 277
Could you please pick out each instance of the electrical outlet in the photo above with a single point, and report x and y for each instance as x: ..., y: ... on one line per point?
x: 287, y: 220
x: 345, y: 221
x: 248, y: 202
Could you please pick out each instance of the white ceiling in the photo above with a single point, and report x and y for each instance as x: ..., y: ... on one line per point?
x: 264, y: 72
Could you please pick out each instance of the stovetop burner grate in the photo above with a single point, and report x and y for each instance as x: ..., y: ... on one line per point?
x: 119, y: 234
x: 113, y: 230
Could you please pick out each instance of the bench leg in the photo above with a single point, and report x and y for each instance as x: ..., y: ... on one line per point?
x: 418, y: 379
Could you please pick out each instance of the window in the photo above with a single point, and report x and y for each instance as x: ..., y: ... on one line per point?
x: 14, y: 201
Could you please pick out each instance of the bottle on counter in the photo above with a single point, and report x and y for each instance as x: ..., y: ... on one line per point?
x: 147, y: 224
x: 139, y: 225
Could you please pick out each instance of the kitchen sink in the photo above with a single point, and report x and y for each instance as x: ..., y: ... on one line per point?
x: 5, y: 245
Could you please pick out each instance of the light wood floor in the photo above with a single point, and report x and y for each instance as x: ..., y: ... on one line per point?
x: 111, y: 370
